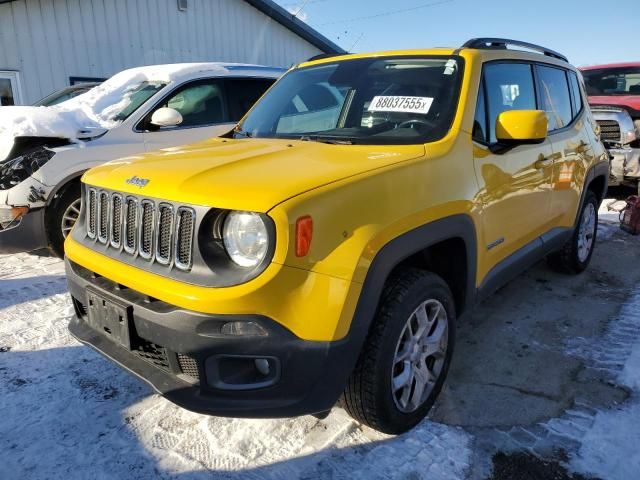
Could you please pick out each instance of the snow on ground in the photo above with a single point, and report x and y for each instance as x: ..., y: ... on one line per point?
x: 609, y: 448
x: 68, y: 413
x: 609, y: 217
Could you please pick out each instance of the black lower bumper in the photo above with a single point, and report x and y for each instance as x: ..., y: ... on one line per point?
x: 29, y: 234
x: 188, y: 358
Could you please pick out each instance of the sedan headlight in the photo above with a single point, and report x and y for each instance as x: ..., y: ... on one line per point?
x: 245, y: 238
x: 16, y: 170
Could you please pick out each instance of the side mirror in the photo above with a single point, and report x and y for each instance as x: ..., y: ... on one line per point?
x: 515, y: 127
x: 166, y: 117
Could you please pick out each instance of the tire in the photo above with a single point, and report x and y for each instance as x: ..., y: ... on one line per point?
x: 369, y: 396
x: 572, y: 258
x: 63, y: 209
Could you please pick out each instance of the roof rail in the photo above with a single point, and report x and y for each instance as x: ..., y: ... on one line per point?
x: 322, y: 56
x: 501, y: 43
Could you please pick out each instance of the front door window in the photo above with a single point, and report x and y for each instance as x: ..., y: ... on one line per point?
x: 10, y: 89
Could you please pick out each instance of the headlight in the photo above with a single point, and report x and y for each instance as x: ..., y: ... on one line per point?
x: 245, y: 238
x: 16, y: 170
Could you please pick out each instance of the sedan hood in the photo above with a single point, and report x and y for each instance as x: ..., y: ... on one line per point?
x: 24, y: 126
x: 250, y: 174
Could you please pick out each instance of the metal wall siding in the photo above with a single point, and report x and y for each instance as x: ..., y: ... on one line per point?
x: 48, y: 41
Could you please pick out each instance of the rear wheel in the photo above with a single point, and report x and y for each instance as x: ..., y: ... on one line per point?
x: 405, y: 359
x: 575, y: 255
x: 62, y: 218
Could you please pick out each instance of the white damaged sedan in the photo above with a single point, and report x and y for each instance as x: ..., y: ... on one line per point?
x: 45, y: 150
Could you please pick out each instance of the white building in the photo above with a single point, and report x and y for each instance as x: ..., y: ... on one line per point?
x: 46, y: 45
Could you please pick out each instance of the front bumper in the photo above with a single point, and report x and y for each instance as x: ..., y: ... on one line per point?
x: 625, y: 165
x: 184, y: 356
x: 28, y: 234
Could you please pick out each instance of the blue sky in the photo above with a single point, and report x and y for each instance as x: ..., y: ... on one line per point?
x: 588, y: 32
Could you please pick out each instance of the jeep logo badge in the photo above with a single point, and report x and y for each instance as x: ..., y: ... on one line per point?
x: 138, y: 182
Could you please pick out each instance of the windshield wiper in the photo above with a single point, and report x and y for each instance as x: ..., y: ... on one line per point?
x: 241, y: 132
x: 329, y: 140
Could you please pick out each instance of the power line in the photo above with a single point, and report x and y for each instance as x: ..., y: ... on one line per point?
x: 385, y: 14
x: 295, y: 4
x: 356, y: 42
x: 301, y: 8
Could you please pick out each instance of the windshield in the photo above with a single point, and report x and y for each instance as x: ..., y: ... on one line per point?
x: 396, y: 100
x: 134, y: 99
x: 114, y: 105
x: 613, y: 81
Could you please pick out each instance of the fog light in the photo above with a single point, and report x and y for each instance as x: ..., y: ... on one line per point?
x: 9, y: 215
x: 262, y: 365
x: 246, y: 329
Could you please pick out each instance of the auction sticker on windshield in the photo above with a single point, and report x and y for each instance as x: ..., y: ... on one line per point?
x: 401, y: 104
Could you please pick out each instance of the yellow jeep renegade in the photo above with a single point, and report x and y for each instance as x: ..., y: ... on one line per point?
x: 326, y: 246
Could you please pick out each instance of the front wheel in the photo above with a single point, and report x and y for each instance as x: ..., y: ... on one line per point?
x: 405, y: 359
x: 64, y: 215
x: 575, y: 255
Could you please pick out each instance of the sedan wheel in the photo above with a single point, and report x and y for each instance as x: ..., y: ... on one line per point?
x: 70, y: 217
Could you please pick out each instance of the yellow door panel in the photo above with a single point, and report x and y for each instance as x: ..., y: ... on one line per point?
x: 515, y: 197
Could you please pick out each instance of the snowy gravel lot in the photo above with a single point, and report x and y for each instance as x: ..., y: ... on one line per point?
x: 65, y: 412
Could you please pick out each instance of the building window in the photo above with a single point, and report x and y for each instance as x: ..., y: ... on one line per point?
x: 82, y: 80
x: 10, y: 89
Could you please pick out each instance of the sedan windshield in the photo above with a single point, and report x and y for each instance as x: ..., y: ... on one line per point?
x: 112, y: 102
x: 612, y: 81
x: 395, y: 100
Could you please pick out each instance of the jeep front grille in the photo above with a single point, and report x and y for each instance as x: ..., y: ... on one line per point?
x: 91, y: 213
x: 116, y: 223
x: 130, y: 225
x: 145, y: 241
x: 103, y: 217
x: 141, y: 227
x: 184, y: 237
x: 164, y: 233
x: 609, y: 131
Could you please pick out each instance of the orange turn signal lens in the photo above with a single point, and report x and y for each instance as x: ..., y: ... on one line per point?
x: 17, y: 212
x: 304, y: 234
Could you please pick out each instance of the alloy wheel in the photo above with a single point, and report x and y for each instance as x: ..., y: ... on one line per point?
x: 586, y: 232
x: 420, y: 355
x: 70, y: 217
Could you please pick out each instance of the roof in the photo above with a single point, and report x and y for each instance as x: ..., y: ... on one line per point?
x: 172, y: 72
x: 289, y: 21
x: 611, y: 65
x: 487, y: 54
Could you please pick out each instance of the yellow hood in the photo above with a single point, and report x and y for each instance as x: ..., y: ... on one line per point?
x: 251, y: 174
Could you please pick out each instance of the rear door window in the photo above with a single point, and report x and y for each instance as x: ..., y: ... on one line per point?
x: 555, y: 98
x: 243, y: 93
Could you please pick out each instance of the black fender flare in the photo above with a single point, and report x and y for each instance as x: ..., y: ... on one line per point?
x: 390, y: 256
x: 600, y: 169
x: 402, y: 247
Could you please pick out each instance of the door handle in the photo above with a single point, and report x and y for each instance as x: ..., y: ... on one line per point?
x: 543, y: 162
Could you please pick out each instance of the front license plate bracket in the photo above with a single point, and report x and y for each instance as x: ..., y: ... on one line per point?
x: 110, y: 318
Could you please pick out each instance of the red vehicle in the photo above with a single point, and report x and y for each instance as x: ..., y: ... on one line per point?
x: 616, y: 84
x: 614, y: 96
